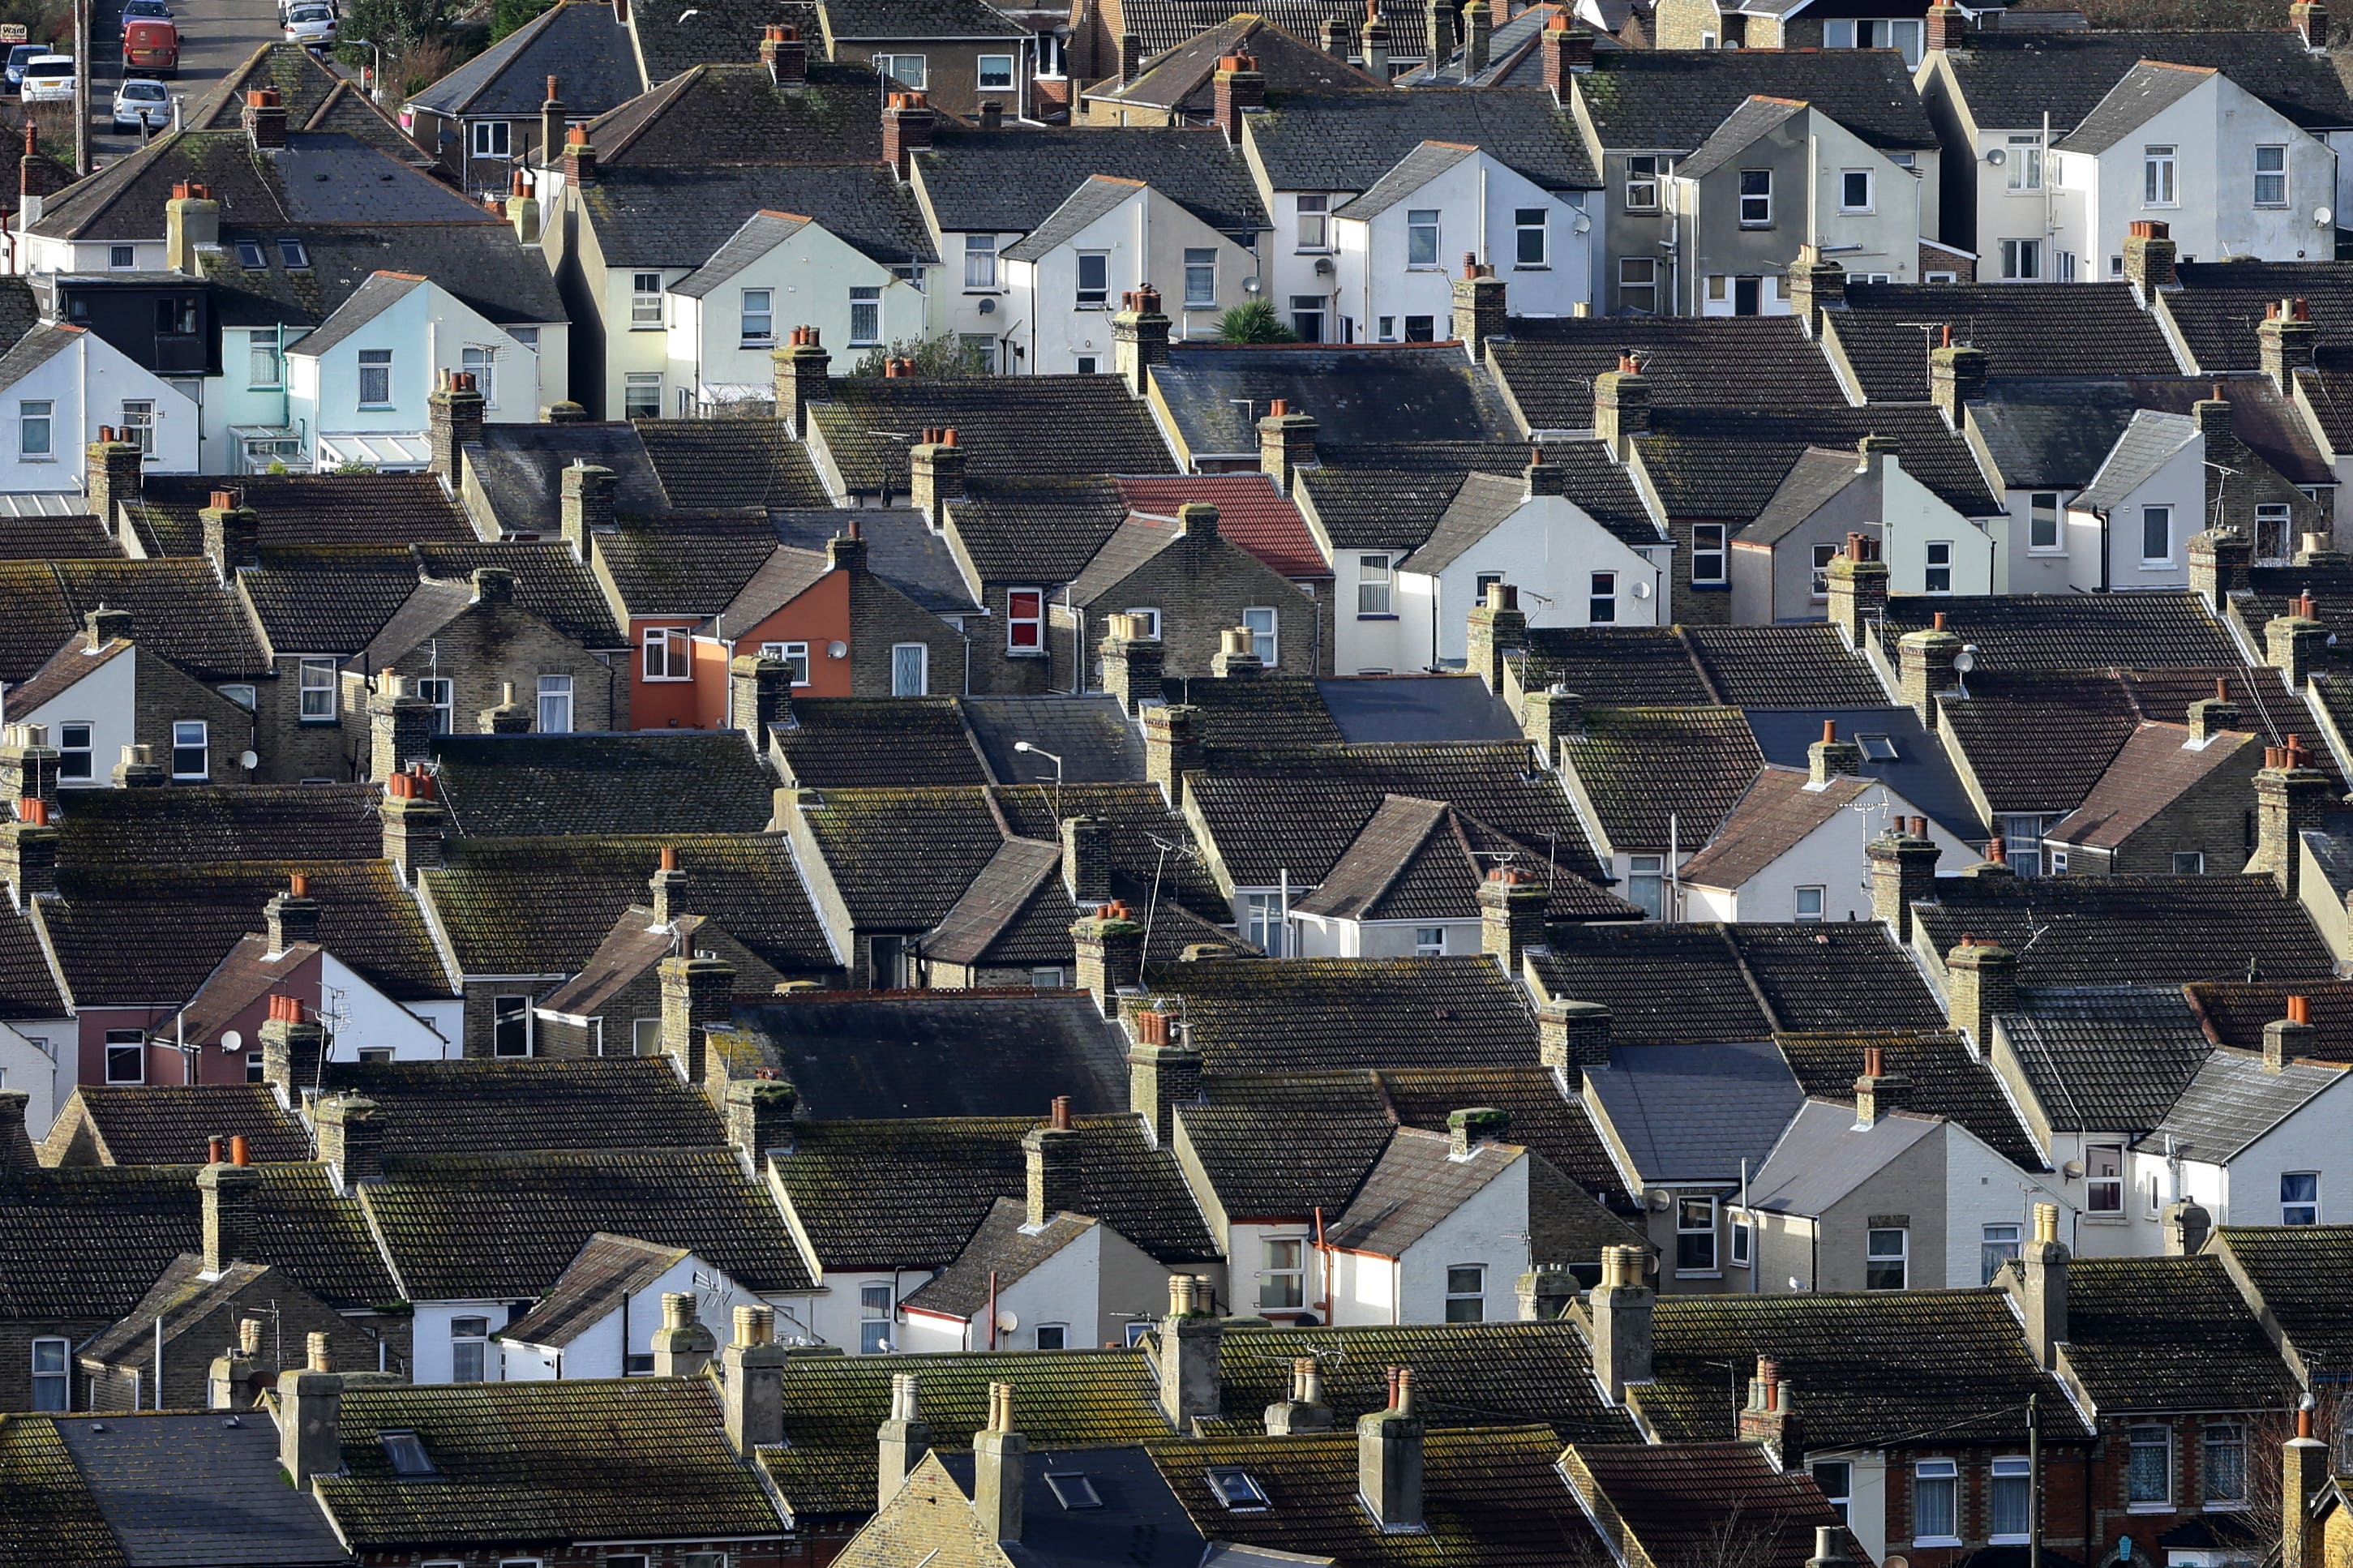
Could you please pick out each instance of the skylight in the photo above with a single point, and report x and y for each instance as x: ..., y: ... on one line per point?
x: 1238, y: 1489
x: 1073, y: 1490
x: 407, y: 1452
x: 1877, y: 748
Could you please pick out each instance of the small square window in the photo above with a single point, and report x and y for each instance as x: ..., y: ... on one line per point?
x: 1466, y: 1293
x: 2190, y: 862
x: 1429, y: 942
x: 122, y: 258
x: 995, y: 70
x: 1854, y: 191
x: 1809, y: 903
x: 191, y: 750
x: 126, y: 1056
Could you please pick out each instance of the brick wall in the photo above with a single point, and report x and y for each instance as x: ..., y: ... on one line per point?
x: 166, y: 694
x: 293, y: 750
x: 881, y: 617
x: 1200, y: 590
x: 491, y: 644
x: 187, y: 1357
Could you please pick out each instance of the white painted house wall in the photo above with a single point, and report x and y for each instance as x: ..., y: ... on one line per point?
x: 28, y: 1069
x: 808, y: 278
x: 1549, y: 549
x: 1066, y: 1290
x: 106, y: 700
x: 1830, y: 858
x: 86, y: 382
x: 1912, y: 517
x: 427, y: 330
x: 1476, y: 201
x: 1488, y: 1229
x: 1143, y: 240
x: 2246, y: 1189
x: 373, y: 1020
x: 2180, y: 485
x: 599, y: 1350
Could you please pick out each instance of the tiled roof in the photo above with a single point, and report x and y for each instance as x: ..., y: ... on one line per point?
x: 685, y: 565
x: 1148, y: 844
x: 2105, y: 931
x: 2105, y: 1057
x: 1834, y: 975
x: 578, y: 43
x: 583, y: 1459
x: 1246, y: 1137
x: 2295, y: 1271
x: 729, y: 113
x: 1675, y: 1503
x: 1945, y: 1078
x: 476, y: 1226
x: 708, y: 465
x: 43, y: 538
x: 991, y: 908
x: 2044, y: 633
x: 47, y: 1517
x: 328, y: 599
x: 308, y: 510
x: 900, y: 857
x: 670, y: 216
x: 1018, y: 434
x: 1251, y: 512
x: 549, y: 582
x: 178, y: 609
x: 2221, y: 303
x: 2025, y: 330
x: 1002, y: 1251
x: 2012, y: 81
x: 1547, y: 366
x: 2154, y: 768
x: 1672, y: 99
x: 1047, y: 536
x: 168, y: 1124
x: 852, y: 1185
x: 1492, y: 1496
x: 1413, y: 1187
x: 1182, y: 77
x: 944, y: 1053
x: 2233, y: 1013
x: 1543, y: 1119
x: 27, y: 988
x: 1864, y: 1370
x: 2234, y: 1099
x: 1780, y: 811
x: 1348, y: 141
x: 146, y: 934
x: 1642, y: 666
x: 1362, y: 398
x: 540, y: 906
x: 2169, y: 1334
x: 1012, y: 179
x: 497, y: 1108
x: 609, y: 1267
x: 723, y: 30
x: 1636, y: 767
x: 846, y: 743
x: 1782, y: 668
x: 1663, y: 984
x: 1330, y: 1013
x: 653, y: 782
x: 1727, y: 462
x: 202, y: 823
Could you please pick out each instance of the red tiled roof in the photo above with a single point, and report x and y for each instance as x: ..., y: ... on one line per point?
x: 1250, y: 512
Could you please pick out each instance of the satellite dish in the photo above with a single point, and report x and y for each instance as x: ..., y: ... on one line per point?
x: 988, y: 306
x: 248, y: 761
x: 231, y: 1039
x: 1966, y: 659
x: 1251, y: 284
x: 2322, y: 217
x: 837, y: 650
x: 1642, y: 589
x: 1007, y: 1320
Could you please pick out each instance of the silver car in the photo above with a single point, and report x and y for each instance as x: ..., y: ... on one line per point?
x: 313, y: 27
x: 141, y: 104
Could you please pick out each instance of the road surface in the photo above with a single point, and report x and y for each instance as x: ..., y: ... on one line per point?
x: 215, y: 37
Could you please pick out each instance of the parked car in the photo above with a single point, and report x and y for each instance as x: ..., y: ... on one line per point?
x: 313, y: 27
x: 285, y: 6
x: 144, y: 10
x: 17, y: 56
x: 152, y: 47
x: 140, y: 103
x: 49, y: 78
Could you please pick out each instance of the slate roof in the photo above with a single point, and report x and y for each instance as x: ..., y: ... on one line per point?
x: 169, y: 1124
x: 178, y: 610
x: 540, y: 906
x: 2091, y: 930
x: 1694, y: 1113
x: 1778, y: 811
x: 1182, y: 77
x: 612, y: 1458
x: 2169, y: 1334
x: 2149, y: 89
x: 2220, y: 304
x: 910, y: 1192
x: 1245, y: 1138
x: 728, y: 113
x: 1090, y: 733
x: 1635, y: 768
x: 2148, y: 444
x: 1641, y: 666
x: 550, y: 582
x: 1011, y: 180
x: 1824, y: 1155
x: 493, y: 1108
x: 148, y: 935
x: 1348, y: 141
x: 1690, y: 983
x: 1741, y: 129
x: 1333, y: 1013
x: 1361, y: 396
x: 1414, y: 1186
x: 1096, y: 197
x: 1867, y: 1368
x: 194, y: 1487
x: 2104, y: 1057
x: 475, y: 1226
x: 674, y: 214
x: 698, y: 781
x: 1426, y: 709
x: 1727, y: 463
x: 2011, y: 79
x: 579, y: 42
x: 2053, y: 430
x: 859, y: 1056
x: 2233, y: 1013
x: 1544, y: 1119
x: 1672, y: 99
x: 28, y: 989
x: 1944, y: 1077
x: 844, y: 743
x: 2290, y: 1269
x: 2025, y: 328
x: 2235, y: 1101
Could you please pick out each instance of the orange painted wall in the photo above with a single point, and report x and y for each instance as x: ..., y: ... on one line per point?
x: 659, y: 704
x: 818, y: 616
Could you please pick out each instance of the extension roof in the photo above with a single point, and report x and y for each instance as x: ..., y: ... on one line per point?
x: 608, y: 1269
x: 1646, y: 774
x: 2025, y: 328
x: 1669, y: 1503
x: 2146, y: 446
x: 2285, y: 1272
x: 1422, y: 859
x: 489, y: 1107
x: 2149, y: 89
x: 1348, y: 141
x: 2233, y: 1013
x: 1780, y: 811
x: 1416, y: 1185
x: 2053, y: 431
x: 1825, y: 1154
x: 2104, y: 1057
x: 1019, y: 436
x: 1726, y: 462
x: 2045, y: 633
x: 2234, y: 1101
x: 579, y: 42
x: 654, y: 214
x: 2157, y: 765
x: 189, y: 1487
x: 1922, y: 772
x: 1244, y: 1136
x: 1183, y: 78
x: 1674, y: 100
x: 1548, y: 364
x: 170, y: 1124
x: 2104, y: 931
x: 1693, y: 1113
x: 1944, y: 1077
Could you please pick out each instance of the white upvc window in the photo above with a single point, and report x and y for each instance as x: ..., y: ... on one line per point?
x: 2300, y: 1197
x: 2160, y: 176
x: 1818, y: 588
x: 1743, y: 1231
x: 794, y: 655
x: 1094, y: 277
x: 1601, y: 601
x: 757, y: 317
x: 1429, y: 942
x: 1282, y: 1282
x: 1315, y: 221
x: 1200, y: 278
x: 865, y: 315
x: 1638, y: 285
x: 1531, y: 237
x: 555, y: 704
x: 995, y: 72
x: 126, y: 1056
x: 1854, y: 190
x: 2011, y: 1501
x: 264, y: 370
x: 490, y: 139
x: 52, y: 1373
x: 1150, y: 615
x: 483, y: 363
x: 1265, y: 640
x: 641, y: 393
x: 1695, y: 1235
x: 1809, y: 901
x: 2190, y: 862
x: 2157, y: 536
x: 1756, y: 198
x: 36, y: 429
x: 1939, y: 570
x: 1421, y: 237
x: 2042, y: 521
x: 317, y: 681
x: 670, y: 654
x: 1836, y: 1478
x: 1887, y: 1259
x: 1707, y: 552
x: 1025, y: 620
x: 1263, y: 923
x: 2024, y: 156
x: 376, y: 378
x: 2021, y: 260
x: 910, y: 666
x: 469, y: 1349
x: 2148, y: 1469
x: 1466, y: 1293
x: 1375, y: 578
x: 2271, y: 175
x: 980, y: 261
x: 645, y: 301
x: 442, y: 693
x: 908, y: 70
x: 1642, y: 183
x: 1936, y: 1503
x: 191, y: 750
x: 1646, y: 883
x: 75, y: 751
x: 876, y: 1311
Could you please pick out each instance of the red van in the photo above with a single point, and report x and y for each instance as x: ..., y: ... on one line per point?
x: 150, y: 46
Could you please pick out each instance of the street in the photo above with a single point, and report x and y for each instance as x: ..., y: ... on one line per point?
x: 215, y: 37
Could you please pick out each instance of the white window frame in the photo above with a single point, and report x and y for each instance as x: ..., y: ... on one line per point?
x: 36, y: 429
x: 669, y: 654
x: 490, y: 139
x: 1266, y: 923
x: 1934, y: 562
x: 139, y: 425
x: 1200, y: 277
x: 2230, y: 1437
x: 2104, y: 1195
x: 865, y: 311
x: 1527, y: 222
x: 1149, y: 616
x: 641, y: 390
x: 2021, y: 260
x: 441, y: 691
x: 56, y: 1382
x: 645, y: 297
x: 1283, y: 1276
x: 265, y: 367
x: 1098, y: 292
x: 1053, y: 1336
x: 1870, y: 189
x: 1946, y: 1475
x: 1842, y: 1494
x: 922, y: 669
x: 794, y: 653
x: 994, y: 72
x: 1376, y: 586
x: 1025, y: 630
x: 2042, y: 508
x: 877, y: 1311
x: 1710, y: 561
x: 2013, y: 1469
x: 2144, y: 1439
x: 1819, y: 588
x: 316, y: 681
x: 553, y: 714
x: 122, y: 258
x: 191, y: 735
x: 1315, y: 230
x: 374, y: 374
x: 2151, y: 518
x: 1429, y: 942
x: 2160, y: 177
x: 1601, y: 599
x: 76, y: 762
x: 911, y: 71
x: 1757, y: 203
x: 1994, y: 1250
x: 1820, y: 897
x: 1424, y: 236
x: 1877, y: 1258
x: 463, y: 1338
x: 2278, y: 174
x: 980, y: 263
x: 134, y: 1041
x: 1647, y: 874
x: 755, y: 317
x: 1265, y: 623
x: 2190, y: 862
x: 1643, y: 181
x: 1742, y: 1228
x: 2299, y: 1211
x: 1695, y: 1254
x: 1466, y: 1306
x: 480, y: 361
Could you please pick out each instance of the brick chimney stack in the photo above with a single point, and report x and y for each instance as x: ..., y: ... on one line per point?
x: 586, y: 504
x: 1190, y: 1338
x: 1173, y: 747
x: 1286, y: 444
x: 550, y: 126
x: 760, y: 1119
x: 265, y: 118
x: 28, y: 848
x: 1622, y: 406
x: 2287, y: 1040
x: 1051, y: 1156
x: 1373, y: 43
x: 1858, y: 585
x: 2149, y: 254
x: 579, y: 157
x: 1239, y: 87
x: 785, y: 54
x: 1948, y: 28
x: 2042, y: 1290
x: 1816, y: 283
x: 1481, y: 313
x: 1139, y: 338
x: 311, y: 1417
x: 906, y: 130
x: 2211, y: 716
x: 293, y: 1043
x: 229, y: 1187
x: 1498, y: 628
x: 351, y: 1138
x: 1877, y: 1091
x: 292, y: 916
x: 455, y: 415
x: 667, y: 888
x: 1980, y: 984
x: 1903, y: 873
x: 1770, y: 1417
x: 2290, y: 795
x: 804, y: 376
x: 1620, y: 1321
x: 2310, y: 18
x: 2296, y: 642
x: 696, y: 993
x: 1566, y: 48
x: 1511, y: 916
x: 1110, y: 944
x: 1572, y: 1036
x: 2287, y: 342
x: 754, y: 1395
x: 1478, y: 36
x: 934, y: 472
x: 1831, y: 758
x: 232, y: 533
x: 1132, y: 661
x: 904, y: 1438
x: 1956, y: 375
x: 1927, y: 667
x: 1162, y: 1073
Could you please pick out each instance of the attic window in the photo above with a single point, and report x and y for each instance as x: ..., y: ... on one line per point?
x: 1238, y: 1489
x: 1876, y: 748
x: 407, y: 1452
x: 1073, y: 1490
x: 248, y: 254
x: 292, y: 253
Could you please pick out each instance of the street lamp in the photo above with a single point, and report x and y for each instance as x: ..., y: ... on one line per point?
x: 1037, y: 750
x: 377, y: 94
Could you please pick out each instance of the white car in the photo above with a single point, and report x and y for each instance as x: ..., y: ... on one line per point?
x: 139, y: 104
x: 49, y: 79
x: 312, y: 26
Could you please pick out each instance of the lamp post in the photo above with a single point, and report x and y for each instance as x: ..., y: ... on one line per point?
x: 376, y: 92
x: 1025, y: 746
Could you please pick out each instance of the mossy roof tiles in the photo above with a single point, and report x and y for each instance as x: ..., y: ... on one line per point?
x: 170, y: 1124
x: 701, y: 782
x: 493, y: 1108
x: 2169, y: 1333
x: 1323, y: 1015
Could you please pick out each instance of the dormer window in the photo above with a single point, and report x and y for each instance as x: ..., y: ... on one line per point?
x: 1238, y: 1489
x: 407, y: 1452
